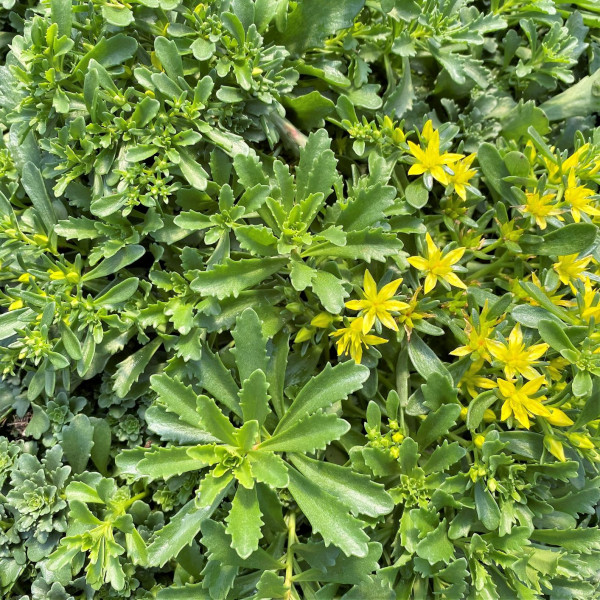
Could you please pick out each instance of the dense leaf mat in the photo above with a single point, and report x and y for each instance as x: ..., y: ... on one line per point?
x: 299, y: 299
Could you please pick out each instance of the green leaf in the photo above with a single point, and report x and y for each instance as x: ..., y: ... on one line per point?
x: 168, y: 55
x: 244, y: 522
x: 177, y: 398
x: 163, y: 463
x: 591, y: 410
x: 146, y: 109
x: 271, y: 586
x: 70, y: 341
x: 517, y: 121
x: 424, y: 359
x: 367, y: 245
x: 231, y: 277
x: 578, y: 100
x: 180, y: 531
x: 77, y: 442
x: 190, y: 591
x: 120, y: 16
x: 196, y: 176
x: 276, y: 370
x: 487, y: 509
x: 254, y: 399
x: 328, y: 516
x: 312, y: 21
x: 218, y: 544
x: 312, y: 433
x: 214, y: 421
x: 35, y: 187
x: 436, y: 546
x: 443, y: 457
x: 416, y: 193
x: 39, y: 422
x: 402, y: 95
x: 331, y: 385
x: 61, y: 11
x: 495, y: 171
x: 257, y: 239
x: 530, y: 316
x: 478, y: 406
x: 13, y: 320
x: 110, y: 52
x: 102, y: 439
x: 357, y: 492
x: 117, y: 262
x: 367, y: 208
x: 316, y: 170
x: 309, y: 110
x: 580, y: 540
x: 269, y: 468
x: 330, y: 291
x: 437, y: 424
x: 554, y: 335
x: 218, y: 382
x: 171, y: 428
x: 129, y: 370
x: 118, y: 294
x: 250, y: 345
x: 570, y: 239
x: 202, y: 49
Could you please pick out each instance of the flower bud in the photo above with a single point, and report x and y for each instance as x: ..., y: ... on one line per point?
x: 555, y: 447
x: 322, y: 320
x: 304, y: 334
x: 581, y: 441
x: 489, y: 416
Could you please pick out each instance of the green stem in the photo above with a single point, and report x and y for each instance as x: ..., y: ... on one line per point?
x: 490, y: 268
x: 289, y: 557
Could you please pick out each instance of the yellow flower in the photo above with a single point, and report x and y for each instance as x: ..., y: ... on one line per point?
x: 378, y: 304
x: 411, y: 314
x: 591, y: 306
x: 16, y: 304
x: 515, y: 357
x: 472, y: 380
x: 430, y: 161
x: 478, y: 336
x: 437, y: 265
x: 518, y: 401
x: 556, y: 368
x: 579, y: 198
x: 352, y: 339
x: 570, y: 269
x: 539, y: 207
x: 555, y: 172
x: 58, y: 275
x: 462, y: 175
x: 556, y: 299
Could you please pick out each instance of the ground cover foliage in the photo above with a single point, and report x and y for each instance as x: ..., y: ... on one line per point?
x: 299, y: 299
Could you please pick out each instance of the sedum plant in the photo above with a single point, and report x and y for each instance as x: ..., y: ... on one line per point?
x: 299, y: 299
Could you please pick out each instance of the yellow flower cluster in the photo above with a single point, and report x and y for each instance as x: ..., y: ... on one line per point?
x: 375, y: 306
x: 446, y: 167
x: 564, y: 191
